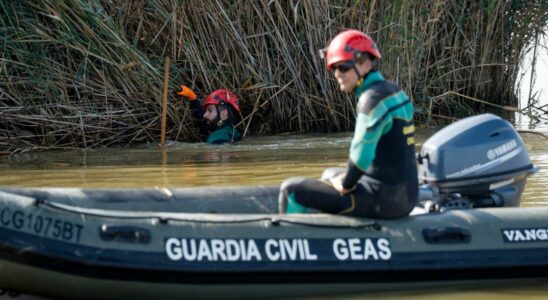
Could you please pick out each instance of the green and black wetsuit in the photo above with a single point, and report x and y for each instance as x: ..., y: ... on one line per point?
x: 224, y: 134
x: 220, y: 135
x: 381, y: 163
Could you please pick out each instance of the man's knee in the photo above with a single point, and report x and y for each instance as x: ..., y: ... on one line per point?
x: 289, y: 187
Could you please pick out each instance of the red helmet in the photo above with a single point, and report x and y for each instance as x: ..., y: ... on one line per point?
x: 222, y: 95
x: 349, y: 45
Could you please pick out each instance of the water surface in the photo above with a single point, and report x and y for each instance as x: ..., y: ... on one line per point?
x: 256, y: 160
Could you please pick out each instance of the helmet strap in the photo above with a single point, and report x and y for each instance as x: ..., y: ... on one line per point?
x: 360, y: 77
x: 219, y: 122
x: 361, y: 58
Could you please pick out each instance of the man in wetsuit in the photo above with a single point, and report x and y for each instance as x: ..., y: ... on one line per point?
x: 381, y: 178
x: 217, y: 113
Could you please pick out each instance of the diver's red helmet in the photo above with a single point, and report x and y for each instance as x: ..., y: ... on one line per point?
x: 222, y: 96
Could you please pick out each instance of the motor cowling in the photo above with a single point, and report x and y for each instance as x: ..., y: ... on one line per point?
x: 480, y: 159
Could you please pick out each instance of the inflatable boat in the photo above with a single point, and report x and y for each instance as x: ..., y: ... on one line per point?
x: 231, y: 242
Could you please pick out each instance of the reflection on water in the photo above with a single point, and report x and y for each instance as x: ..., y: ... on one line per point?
x: 264, y: 160
x: 256, y: 160
x: 533, y: 289
x: 536, y: 191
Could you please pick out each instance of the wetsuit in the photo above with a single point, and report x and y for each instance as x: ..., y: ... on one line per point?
x: 381, y: 163
x: 223, y: 134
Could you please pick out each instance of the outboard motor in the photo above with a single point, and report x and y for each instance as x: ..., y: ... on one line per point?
x: 479, y: 161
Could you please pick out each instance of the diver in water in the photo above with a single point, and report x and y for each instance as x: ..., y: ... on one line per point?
x: 381, y: 178
x: 217, y: 113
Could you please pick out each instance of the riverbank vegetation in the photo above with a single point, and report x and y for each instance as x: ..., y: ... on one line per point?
x: 78, y: 73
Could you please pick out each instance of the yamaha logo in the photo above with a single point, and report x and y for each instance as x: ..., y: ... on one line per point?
x: 501, y: 150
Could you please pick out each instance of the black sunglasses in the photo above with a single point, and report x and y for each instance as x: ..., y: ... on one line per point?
x: 343, y: 67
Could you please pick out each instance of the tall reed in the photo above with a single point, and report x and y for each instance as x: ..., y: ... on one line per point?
x: 78, y: 73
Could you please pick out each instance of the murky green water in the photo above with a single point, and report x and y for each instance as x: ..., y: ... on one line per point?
x: 254, y: 161
x: 257, y: 160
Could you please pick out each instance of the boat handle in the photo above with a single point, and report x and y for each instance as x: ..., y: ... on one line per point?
x: 447, y: 235
x: 124, y: 234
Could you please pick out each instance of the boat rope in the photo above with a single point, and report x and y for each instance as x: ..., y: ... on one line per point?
x: 365, y: 225
x: 165, y: 218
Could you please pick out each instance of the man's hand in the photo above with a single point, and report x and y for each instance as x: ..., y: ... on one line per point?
x: 187, y: 93
x: 337, y: 183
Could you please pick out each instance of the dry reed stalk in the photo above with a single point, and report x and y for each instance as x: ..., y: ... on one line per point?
x: 164, y: 102
x: 80, y: 73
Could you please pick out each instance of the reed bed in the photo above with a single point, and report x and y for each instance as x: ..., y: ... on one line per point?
x: 84, y: 74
